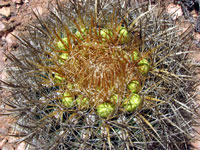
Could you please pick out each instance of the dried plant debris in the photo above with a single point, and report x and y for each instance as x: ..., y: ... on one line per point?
x: 103, y: 75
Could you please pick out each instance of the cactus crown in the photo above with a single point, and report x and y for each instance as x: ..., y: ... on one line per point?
x: 99, y: 63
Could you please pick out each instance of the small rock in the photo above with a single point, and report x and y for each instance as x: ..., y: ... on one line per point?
x: 4, y: 126
x: 196, y: 57
x: 3, y: 75
x: 184, y: 27
x: 26, y: 1
x: 2, y: 143
x: 3, y: 3
x: 197, y: 36
x: 194, y: 14
x: 7, y: 147
x: 21, y: 146
x: 4, y: 131
x: 196, y: 143
x: 17, y: 1
x: 38, y: 10
x: 12, y: 140
x: 11, y: 40
x: 2, y: 28
x: 175, y: 10
x: 5, y: 11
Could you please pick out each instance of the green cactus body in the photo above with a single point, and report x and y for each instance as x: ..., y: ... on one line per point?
x: 98, y: 54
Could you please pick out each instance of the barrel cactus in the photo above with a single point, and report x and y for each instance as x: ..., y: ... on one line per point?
x: 103, y: 75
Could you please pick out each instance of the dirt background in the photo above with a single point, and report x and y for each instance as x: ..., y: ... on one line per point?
x: 15, y: 15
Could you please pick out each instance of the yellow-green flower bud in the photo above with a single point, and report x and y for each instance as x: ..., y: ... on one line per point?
x: 123, y: 34
x: 106, y: 109
x: 143, y: 62
x: 70, y: 86
x: 126, y: 56
x: 58, y: 78
x: 82, y: 101
x: 134, y: 86
x: 135, y: 56
x: 144, y: 69
x: 132, y: 103
x: 106, y: 34
x: 81, y: 34
x: 143, y: 66
x: 63, y: 56
x: 61, y: 45
x: 114, y: 98
x: 67, y: 100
